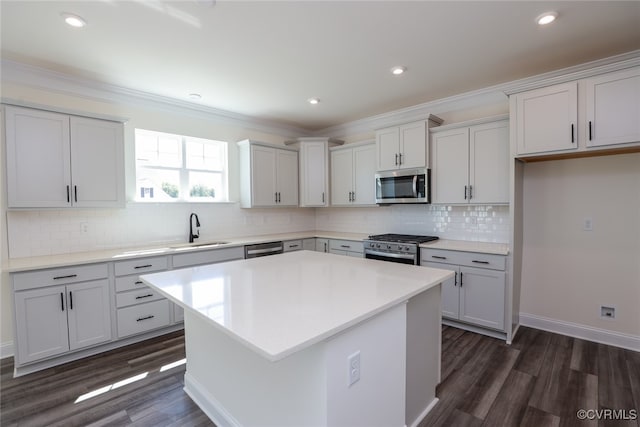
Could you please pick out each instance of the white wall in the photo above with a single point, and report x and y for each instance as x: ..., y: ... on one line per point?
x: 568, y: 273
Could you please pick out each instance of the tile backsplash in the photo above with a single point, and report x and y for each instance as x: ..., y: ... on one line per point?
x: 52, y: 232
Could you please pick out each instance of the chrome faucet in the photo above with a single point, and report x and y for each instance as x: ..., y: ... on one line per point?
x: 191, y: 235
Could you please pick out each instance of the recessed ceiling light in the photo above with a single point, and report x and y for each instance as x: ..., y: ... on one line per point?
x: 313, y: 101
x: 73, y: 20
x: 195, y: 96
x: 546, y: 18
x: 396, y: 71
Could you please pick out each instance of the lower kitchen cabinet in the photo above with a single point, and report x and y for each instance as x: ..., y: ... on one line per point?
x: 143, y: 317
x: 475, y: 295
x: 346, y: 247
x: 56, y: 319
x: 322, y: 245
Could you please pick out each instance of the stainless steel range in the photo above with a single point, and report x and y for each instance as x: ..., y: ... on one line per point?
x: 400, y: 248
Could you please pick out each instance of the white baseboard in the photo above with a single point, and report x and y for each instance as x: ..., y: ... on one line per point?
x: 424, y: 413
x: 6, y: 349
x: 589, y: 333
x: 207, y: 403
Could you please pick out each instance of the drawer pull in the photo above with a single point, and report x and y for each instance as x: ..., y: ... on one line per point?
x: 438, y: 257
x: 345, y: 246
x: 140, y: 319
x: 480, y: 262
x: 144, y: 296
x: 65, y: 277
x: 138, y: 282
x: 143, y: 266
x: 293, y: 246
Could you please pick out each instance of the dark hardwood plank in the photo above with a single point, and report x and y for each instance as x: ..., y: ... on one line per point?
x: 536, y: 418
x: 614, y: 384
x: 535, y: 342
x: 511, y: 404
x: 584, y: 357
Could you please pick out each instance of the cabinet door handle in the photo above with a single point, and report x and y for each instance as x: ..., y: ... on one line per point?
x: 589, y: 130
x: 65, y: 277
x: 144, y: 296
x: 140, y: 319
x: 400, y: 158
x: 75, y: 193
x: 70, y: 300
x: 470, y: 192
x: 353, y: 196
x: 461, y: 279
x: 572, y: 134
x: 455, y: 279
x: 325, y: 247
x: 465, y: 192
x: 480, y: 262
x: 143, y: 266
x: 438, y: 257
x: 275, y: 197
x: 62, y: 300
x: 323, y: 197
x: 396, y: 159
x: 68, y: 196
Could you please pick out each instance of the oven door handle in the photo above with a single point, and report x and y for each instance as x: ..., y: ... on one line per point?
x: 389, y: 255
x: 415, y: 185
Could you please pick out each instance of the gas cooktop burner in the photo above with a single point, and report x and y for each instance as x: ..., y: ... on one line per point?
x: 402, y: 238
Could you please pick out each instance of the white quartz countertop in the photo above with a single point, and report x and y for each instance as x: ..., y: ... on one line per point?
x: 281, y: 304
x: 468, y: 246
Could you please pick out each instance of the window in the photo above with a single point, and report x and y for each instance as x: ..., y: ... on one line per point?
x: 179, y: 168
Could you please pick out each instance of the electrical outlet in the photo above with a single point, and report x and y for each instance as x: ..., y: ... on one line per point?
x: 84, y: 227
x: 354, y: 368
x: 587, y: 225
x: 608, y: 312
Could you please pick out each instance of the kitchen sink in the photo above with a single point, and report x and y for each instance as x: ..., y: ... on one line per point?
x: 188, y: 246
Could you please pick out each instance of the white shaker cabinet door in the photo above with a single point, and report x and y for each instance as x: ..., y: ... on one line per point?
x: 263, y: 176
x: 489, y: 163
x: 450, y: 293
x: 313, y: 174
x: 364, y: 169
x: 450, y: 174
x: 89, y: 313
x: 97, y: 166
x: 613, y: 108
x: 38, y: 158
x: 388, y: 149
x: 287, y: 178
x: 413, y: 138
x: 341, y: 177
x: 482, y: 297
x: 41, y: 323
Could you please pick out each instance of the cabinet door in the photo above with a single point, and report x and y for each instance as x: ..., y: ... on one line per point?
x: 41, y: 323
x: 613, y: 108
x: 364, y: 169
x: 450, y: 292
x: 97, y: 163
x: 482, y: 297
x: 388, y: 148
x: 450, y: 172
x: 413, y: 145
x: 287, y: 178
x: 546, y: 119
x: 341, y: 177
x: 313, y: 174
x: 38, y: 158
x: 263, y: 176
x: 322, y: 245
x: 489, y: 163
x: 89, y: 313
x: 309, y: 244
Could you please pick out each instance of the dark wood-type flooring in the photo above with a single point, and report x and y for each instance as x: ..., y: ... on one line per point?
x: 543, y: 379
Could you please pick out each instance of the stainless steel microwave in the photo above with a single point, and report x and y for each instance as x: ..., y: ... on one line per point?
x: 403, y: 186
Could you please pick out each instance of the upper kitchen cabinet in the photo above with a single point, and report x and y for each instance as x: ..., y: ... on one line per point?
x: 613, y: 108
x: 314, y: 169
x: 546, y: 119
x: 268, y: 175
x: 353, y: 175
x: 470, y: 164
x: 404, y: 146
x: 56, y: 160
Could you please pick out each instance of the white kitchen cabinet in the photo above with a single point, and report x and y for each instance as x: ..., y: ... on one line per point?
x: 292, y: 245
x: 309, y: 244
x: 268, y: 175
x: 346, y: 247
x: 612, y: 105
x: 56, y: 160
x: 57, y: 319
x: 470, y: 164
x: 547, y: 119
x: 353, y: 175
x: 322, y: 245
x: 476, y: 294
x: 314, y: 169
x: 404, y: 146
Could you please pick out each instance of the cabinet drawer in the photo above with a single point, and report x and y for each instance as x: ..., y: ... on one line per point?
x: 208, y: 257
x: 346, y: 245
x: 140, y: 296
x: 128, y: 283
x: 293, y: 245
x: 469, y: 259
x: 143, y: 317
x: 141, y: 265
x: 59, y: 276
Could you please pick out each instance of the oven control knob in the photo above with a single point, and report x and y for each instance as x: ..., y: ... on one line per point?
x: 378, y: 246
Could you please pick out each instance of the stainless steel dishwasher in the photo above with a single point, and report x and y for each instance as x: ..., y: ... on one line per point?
x: 263, y: 249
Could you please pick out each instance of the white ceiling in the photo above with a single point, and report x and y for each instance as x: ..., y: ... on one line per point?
x: 265, y: 59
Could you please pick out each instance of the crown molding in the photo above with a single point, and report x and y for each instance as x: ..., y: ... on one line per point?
x: 486, y: 96
x: 66, y: 84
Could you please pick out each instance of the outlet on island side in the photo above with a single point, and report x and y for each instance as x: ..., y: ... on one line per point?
x: 354, y: 368
x: 607, y: 312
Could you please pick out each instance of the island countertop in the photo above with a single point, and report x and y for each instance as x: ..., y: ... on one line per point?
x: 281, y: 304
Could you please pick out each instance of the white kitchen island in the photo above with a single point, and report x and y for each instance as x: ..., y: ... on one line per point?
x: 270, y: 341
